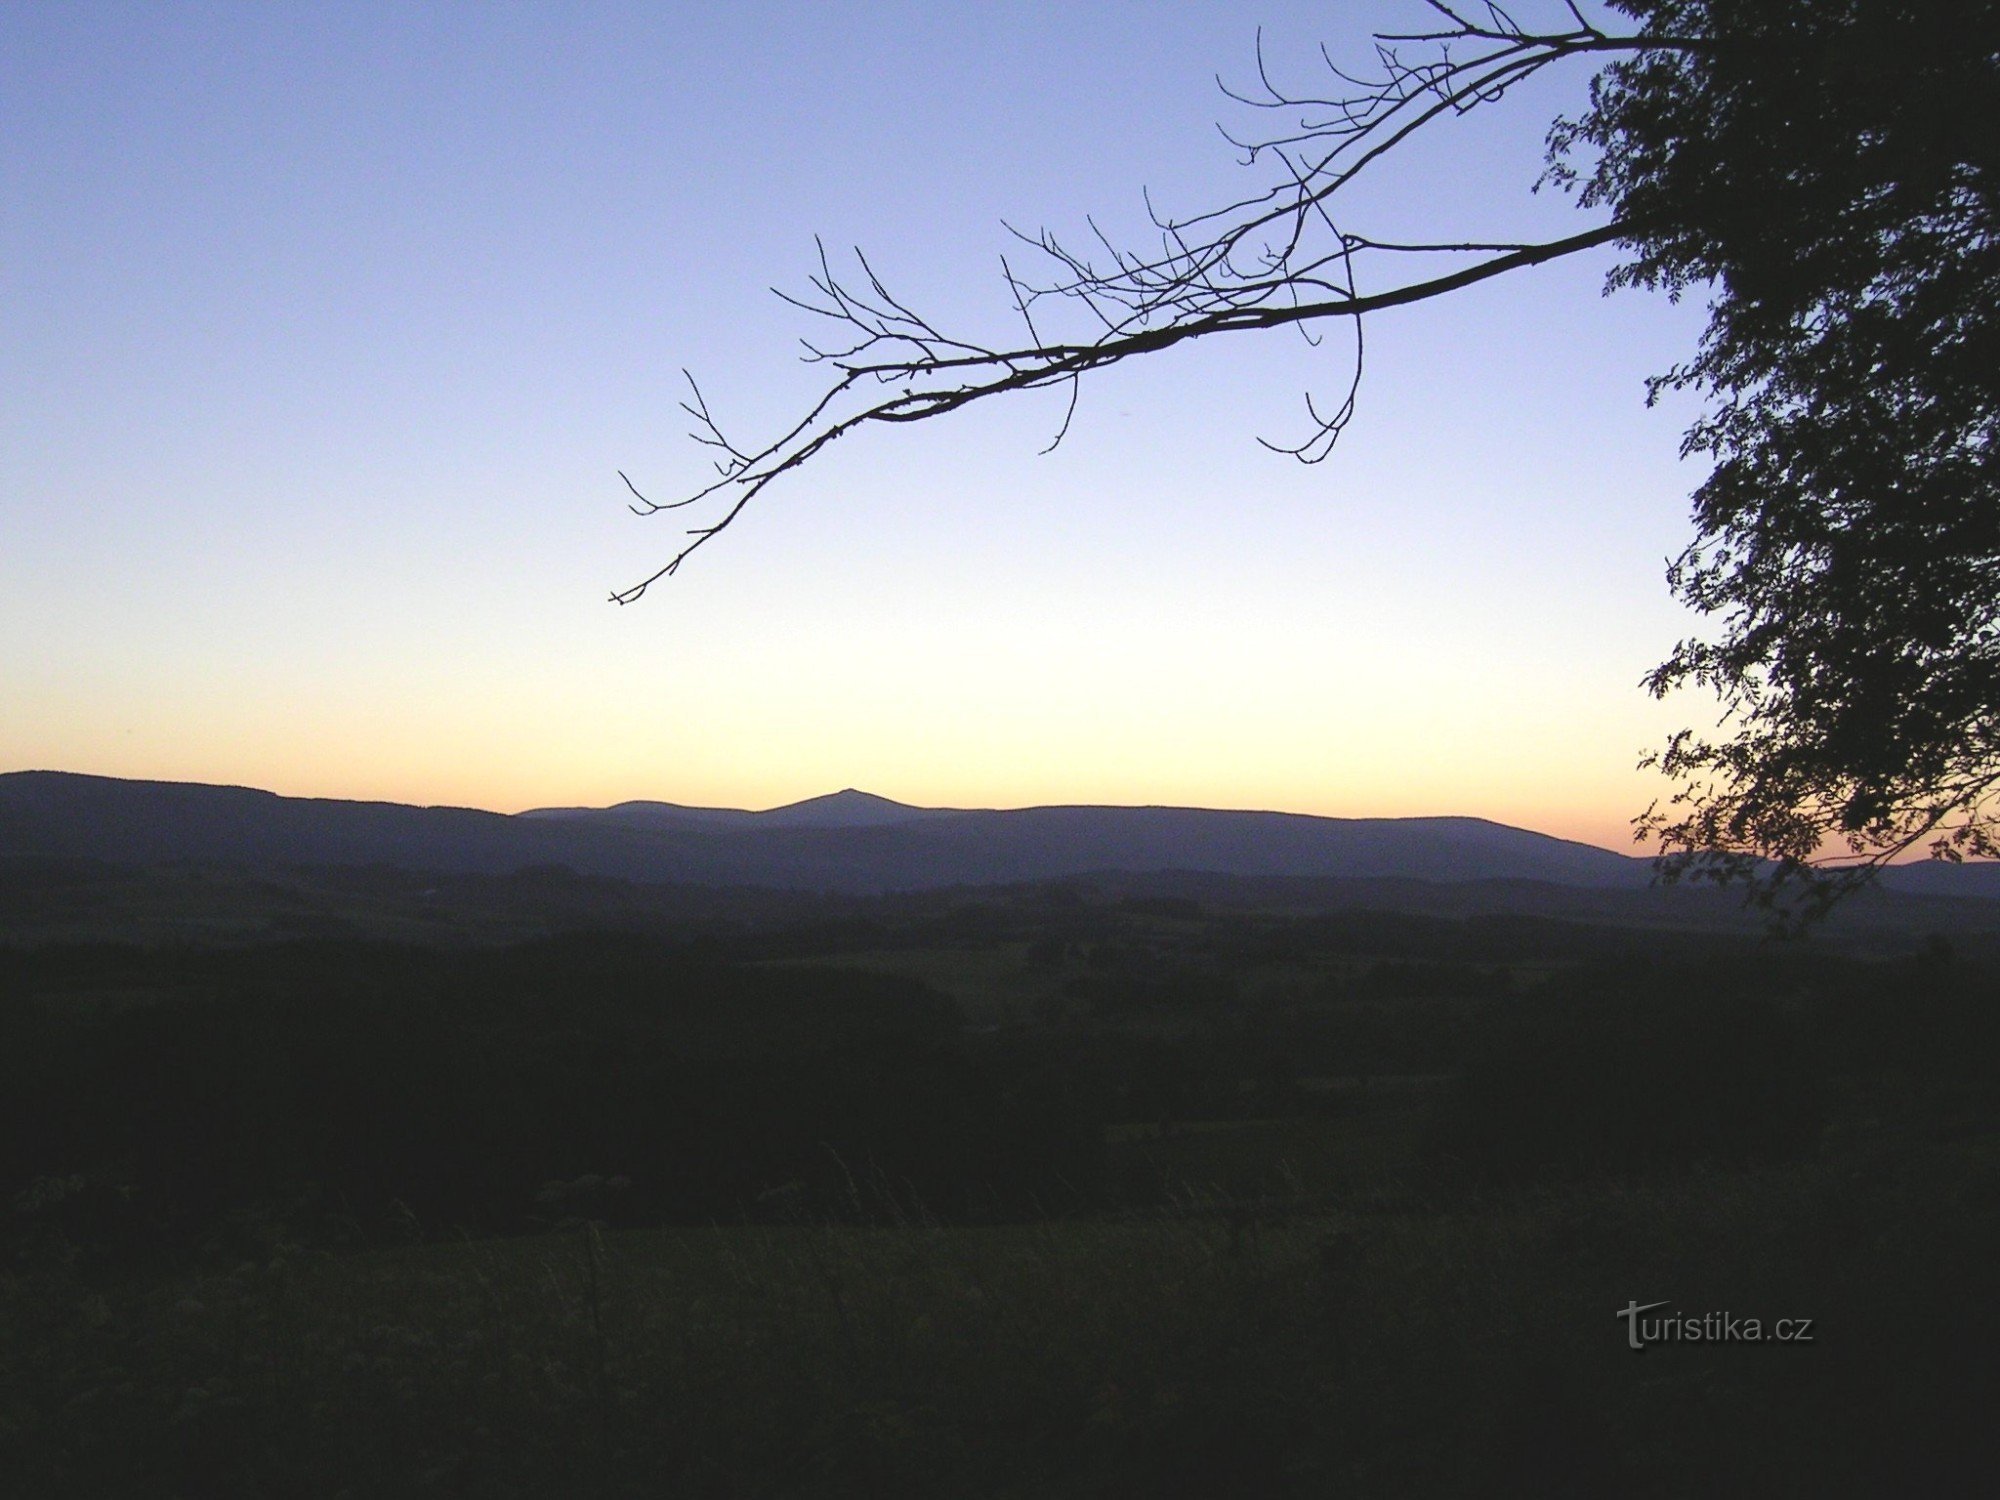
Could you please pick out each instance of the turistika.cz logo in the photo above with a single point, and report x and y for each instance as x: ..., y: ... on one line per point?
x: 1708, y: 1328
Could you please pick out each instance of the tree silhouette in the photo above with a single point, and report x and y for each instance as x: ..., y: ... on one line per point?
x: 1832, y: 173
x: 1825, y: 171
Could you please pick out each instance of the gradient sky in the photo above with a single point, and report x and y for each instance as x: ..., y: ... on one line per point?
x: 324, y: 328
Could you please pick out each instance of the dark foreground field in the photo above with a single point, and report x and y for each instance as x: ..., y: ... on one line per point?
x: 1135, y: 1201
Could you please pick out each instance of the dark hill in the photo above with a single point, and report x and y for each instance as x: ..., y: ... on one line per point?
x: 849, y: 841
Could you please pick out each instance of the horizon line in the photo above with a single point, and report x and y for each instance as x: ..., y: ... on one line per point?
x: 556, y: 807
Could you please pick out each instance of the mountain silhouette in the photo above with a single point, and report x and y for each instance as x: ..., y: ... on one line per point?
x: 846, y: 809
x: 842, y: 809
x: 849, y: 841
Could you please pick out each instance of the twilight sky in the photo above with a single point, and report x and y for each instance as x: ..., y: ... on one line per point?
x: 324, y: 329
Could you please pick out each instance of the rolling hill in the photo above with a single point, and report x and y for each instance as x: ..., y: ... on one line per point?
x: 850, y: 841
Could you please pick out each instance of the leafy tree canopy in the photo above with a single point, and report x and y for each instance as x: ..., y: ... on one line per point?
x: 1830, y: 174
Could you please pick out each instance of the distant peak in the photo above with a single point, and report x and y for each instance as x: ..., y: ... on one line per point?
x: 849, y: 807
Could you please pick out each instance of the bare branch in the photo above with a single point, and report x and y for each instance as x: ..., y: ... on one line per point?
x: 1274, y: 258
x: 977, y: 377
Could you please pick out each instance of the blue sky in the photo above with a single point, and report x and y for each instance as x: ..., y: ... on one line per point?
x: 325, y: 329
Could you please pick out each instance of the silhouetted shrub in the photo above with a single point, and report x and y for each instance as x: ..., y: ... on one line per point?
x: 1645, y: 1076
x: 381, y: 1086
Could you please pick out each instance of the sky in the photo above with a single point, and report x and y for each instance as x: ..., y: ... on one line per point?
x: 325, y: 329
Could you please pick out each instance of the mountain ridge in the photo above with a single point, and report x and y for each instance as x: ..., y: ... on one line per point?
x: 846, y: 841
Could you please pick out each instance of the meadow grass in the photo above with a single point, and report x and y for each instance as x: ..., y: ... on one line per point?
x: 1458, y: 1344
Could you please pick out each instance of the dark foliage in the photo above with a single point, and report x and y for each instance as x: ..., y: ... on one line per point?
x: 1257, y: 1283
x: 171, y: 1101
x: 372, y: 1087
x: 1829, y: 172
x: 1632, y: 1075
